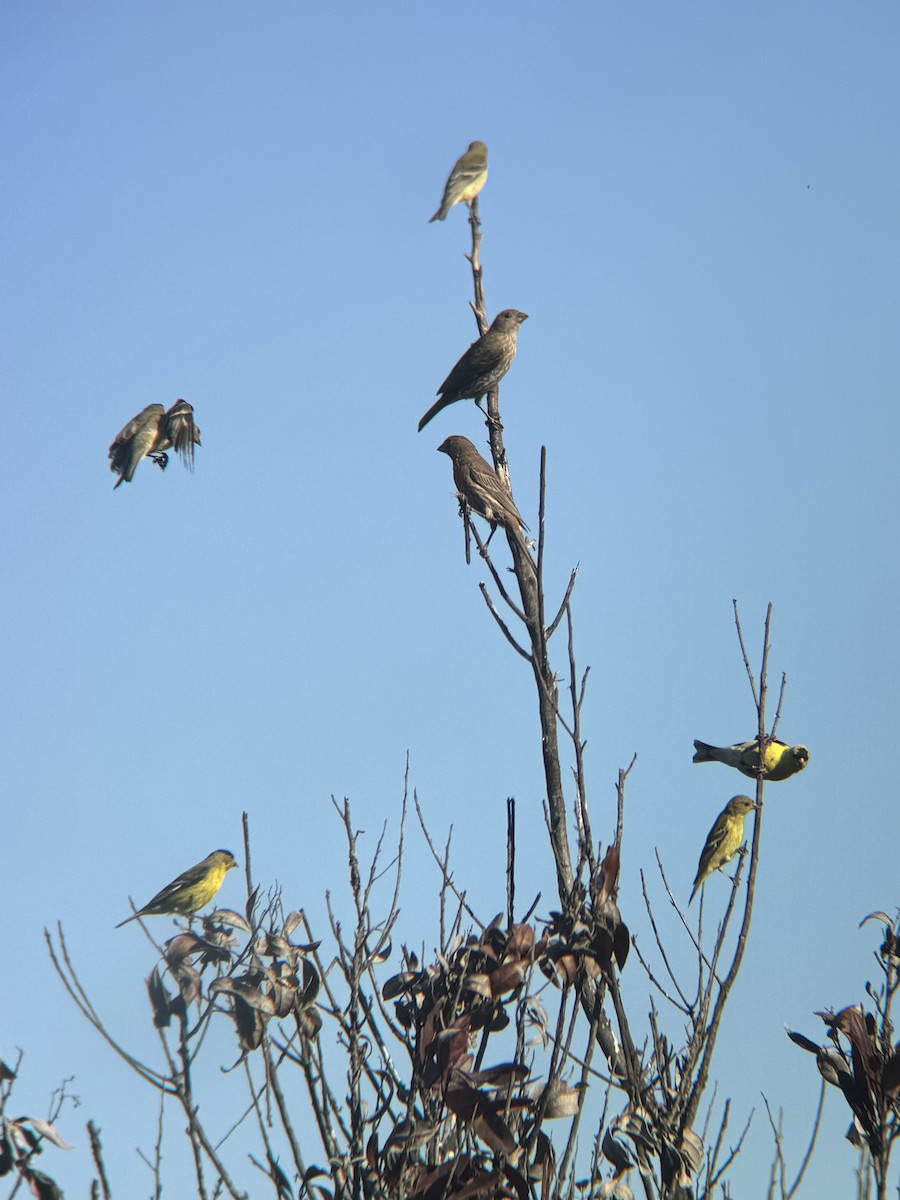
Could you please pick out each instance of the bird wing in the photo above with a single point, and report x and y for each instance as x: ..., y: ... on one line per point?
x: 181, y: 432
x: 483, y: 479
x: 715, y: 843
x: 135, y: 440
x: 187, y: 879
x: 478, y: 361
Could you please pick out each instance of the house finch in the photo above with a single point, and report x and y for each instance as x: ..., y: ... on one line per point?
x: 193, y: 889
x: 466, y: 180
x: 724, y: 839
x: 781, y: 761
x: 481, y: 487
x: 483, y: 365
x: 149, y: 434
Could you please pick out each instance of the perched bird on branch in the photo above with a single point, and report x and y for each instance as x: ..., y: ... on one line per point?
x: 724, y: 839
x: 466, y: 180
x: 150, y: 434
x: 483, y: 365
x: 482, y: 488
x: 782, y: 761
x: 191, y: 891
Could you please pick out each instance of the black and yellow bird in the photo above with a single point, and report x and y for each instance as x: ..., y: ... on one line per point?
x: 482, y: 366
x: 465, y: 181
x: 782, y: 761
x: 191, y: 891
x: 148, y: 435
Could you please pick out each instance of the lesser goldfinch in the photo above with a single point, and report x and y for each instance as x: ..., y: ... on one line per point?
x: 724, y: 839
x: 150, y: 434
x: 466, y: 180
x: 483, y: 365
x: 480, y: 485
x: 193, y: 888
x: 782, y: 761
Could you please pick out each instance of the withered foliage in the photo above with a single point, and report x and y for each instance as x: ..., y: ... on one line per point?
x: 862, y: 1060
x: 23, y: 1138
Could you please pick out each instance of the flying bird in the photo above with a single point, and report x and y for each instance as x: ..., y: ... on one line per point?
x: 782, y: 761
x: 191, y: 891
x: 483, y: 365
x: 150, y: 434
x: 482, y: 488
x: 466, y: 180
x: 724, y: 839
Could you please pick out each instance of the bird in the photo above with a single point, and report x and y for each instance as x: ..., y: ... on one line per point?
x: 724, y: 839
x: 782, y: 761
x: 150, y: 434
x: 482, y: 488
x: 465, y: 181
x: 483, y: 365
x: 193, y: 888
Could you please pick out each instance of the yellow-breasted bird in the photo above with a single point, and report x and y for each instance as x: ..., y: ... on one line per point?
x: 724, y: 839
x: 782, y: 761
x: 191, y: 891
x: 482, y: 366
x: 150, y: 434
x: 466, y: 180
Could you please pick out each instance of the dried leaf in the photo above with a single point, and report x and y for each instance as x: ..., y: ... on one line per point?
x: 310, y: 1021
x: 45, y: 1130
x: 877, y: 916
x: 494, y: 1132
x: 615, y: 1151
x: 832, y: 1066
x: 543, y: 1161
x: 802, y: 1041
x: 41, y: 1185
x: 614, y: 1189
x: 160, y: 1000
x: 381, y: 953
x: 227, y: 916
x: 610, y: 873
x: 503, y: 1075
x: 506, y: 978
x: 7, y: 1157
x: 691, y: 1150
x: 399, y: 985
x: 480, y: 985
x: 521, y: 942
x: 309, y: 988
x: 291, y: 921
x: 890, y: 1075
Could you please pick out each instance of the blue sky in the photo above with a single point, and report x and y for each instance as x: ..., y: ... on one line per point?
x: 697, y: 206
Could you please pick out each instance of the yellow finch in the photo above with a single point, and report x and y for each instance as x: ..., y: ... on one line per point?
x: 782, y: 761
x: 466, y: 180
x: 149, y: 434
x: 724, y: 839
x: 193, y: 888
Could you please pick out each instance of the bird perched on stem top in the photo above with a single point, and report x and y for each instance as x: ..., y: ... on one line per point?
x: 483, y: 365
x: 482, y: 488
x: 466, y: 180
x: 724, y: 839
x: 193, y: 889
x: 149, y: 434
x: 782, y: 761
